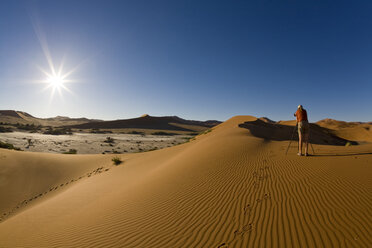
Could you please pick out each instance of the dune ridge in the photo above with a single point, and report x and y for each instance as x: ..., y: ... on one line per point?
x: 359, y: 131
x: 227, y: 188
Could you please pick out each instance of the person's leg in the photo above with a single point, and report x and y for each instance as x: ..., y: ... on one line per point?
x: 299, y: 143
x: 306, y: 140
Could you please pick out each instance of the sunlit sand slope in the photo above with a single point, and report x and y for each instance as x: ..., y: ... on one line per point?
x: 227, y: 188
x: 26, y: 177
x: 349, y: 130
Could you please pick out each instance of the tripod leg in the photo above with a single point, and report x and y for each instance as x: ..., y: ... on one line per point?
x: 291, y: 139
x: 312, y: 148
x: 288, y: 147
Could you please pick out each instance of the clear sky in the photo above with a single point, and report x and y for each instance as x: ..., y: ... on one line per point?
x: 195, y: 59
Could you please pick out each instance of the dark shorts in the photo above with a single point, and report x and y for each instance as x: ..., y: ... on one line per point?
x: 303, y: 127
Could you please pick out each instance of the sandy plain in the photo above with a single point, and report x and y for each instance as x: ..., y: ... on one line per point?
x: 90, y: 143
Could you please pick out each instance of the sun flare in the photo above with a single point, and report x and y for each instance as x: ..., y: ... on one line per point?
x: 55, y: 81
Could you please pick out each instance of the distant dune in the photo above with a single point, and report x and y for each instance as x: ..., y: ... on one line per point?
x: 335, y: 124
x: 171, y: 123
x: 227, y: 188
x: 358, y: 131
x: 151, y: 122
x: 13, y: 117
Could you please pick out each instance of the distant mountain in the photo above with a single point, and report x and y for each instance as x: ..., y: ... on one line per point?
x: 66, y: 119
x: 9, y: 114
x: 13, y: 117
x: 174, y: 123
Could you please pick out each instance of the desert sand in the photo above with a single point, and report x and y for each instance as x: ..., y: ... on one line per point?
x: 231, y: 187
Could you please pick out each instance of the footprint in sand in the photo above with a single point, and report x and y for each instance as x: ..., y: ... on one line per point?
x: 25, y: 202
x: 267, y: 196
x: 247, y: 208
x: 248, y: 227
x: 237, y: 232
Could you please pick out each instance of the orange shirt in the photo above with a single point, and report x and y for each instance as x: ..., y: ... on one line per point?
x: 301, y: 115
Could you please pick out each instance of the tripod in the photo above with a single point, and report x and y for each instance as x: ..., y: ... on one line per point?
x: 294, y: 130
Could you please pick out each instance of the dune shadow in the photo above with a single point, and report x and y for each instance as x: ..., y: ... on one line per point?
x: 341, y: 155
x: 278, y: 132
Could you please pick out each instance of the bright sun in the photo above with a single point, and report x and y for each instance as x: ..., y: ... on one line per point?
x: 55, y: 81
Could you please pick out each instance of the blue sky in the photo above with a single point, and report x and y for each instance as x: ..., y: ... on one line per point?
x: 195, y: 59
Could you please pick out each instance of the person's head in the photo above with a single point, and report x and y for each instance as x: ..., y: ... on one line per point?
x: 300, y: 107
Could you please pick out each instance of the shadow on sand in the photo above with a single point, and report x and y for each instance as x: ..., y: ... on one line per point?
x: 341, y: 155
x: 278, y: 132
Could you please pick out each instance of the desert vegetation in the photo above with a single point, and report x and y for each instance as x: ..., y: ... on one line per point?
x: 58, y: 131
x: 8, y: 146
x: 109, y: 140
x: 161, y: 133
x: 5, y: 129
x: 71, y: 151
x: 97, y: 130
x: 116, y: 160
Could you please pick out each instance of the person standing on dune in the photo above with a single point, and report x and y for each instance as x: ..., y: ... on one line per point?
x: 303, y: 129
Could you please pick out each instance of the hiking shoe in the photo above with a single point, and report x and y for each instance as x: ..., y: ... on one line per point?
x: 306, y: 154
x: 299, y: 154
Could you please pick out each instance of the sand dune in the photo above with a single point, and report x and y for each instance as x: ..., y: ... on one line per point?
x: 357, y: 131
x: 13, y: 117
x: 151, y: 122
x: 336, y: 124
x: 226, y: 188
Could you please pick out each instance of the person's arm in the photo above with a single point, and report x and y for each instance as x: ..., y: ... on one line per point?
x: 295, y: 114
